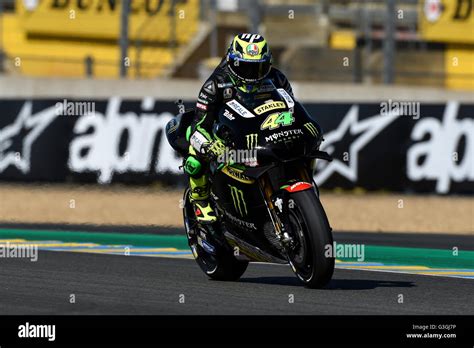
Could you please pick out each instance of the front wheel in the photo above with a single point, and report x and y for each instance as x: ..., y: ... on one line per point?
x: 311, y: 233
x: 213, y: 257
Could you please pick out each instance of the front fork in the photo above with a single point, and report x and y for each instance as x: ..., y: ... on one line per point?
x: 278, y: 204
x: 281, y: 203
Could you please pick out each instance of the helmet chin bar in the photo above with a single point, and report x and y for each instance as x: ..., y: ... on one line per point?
x: 248, y: 71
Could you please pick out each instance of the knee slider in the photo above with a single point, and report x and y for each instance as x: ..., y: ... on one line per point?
x: 193, y: 167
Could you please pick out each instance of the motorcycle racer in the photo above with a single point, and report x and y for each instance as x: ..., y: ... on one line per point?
x: 247, y: 63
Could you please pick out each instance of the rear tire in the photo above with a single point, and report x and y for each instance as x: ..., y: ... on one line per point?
x: 221, y: 265
x: 310, y: 227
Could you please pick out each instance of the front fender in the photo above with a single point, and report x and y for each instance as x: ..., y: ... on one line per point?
x: 297, y: 186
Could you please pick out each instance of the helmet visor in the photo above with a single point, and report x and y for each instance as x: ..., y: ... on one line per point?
x: 249, y: 70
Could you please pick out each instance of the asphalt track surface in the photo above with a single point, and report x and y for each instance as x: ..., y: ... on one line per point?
x: 423, y: 240
x: 115, y: 284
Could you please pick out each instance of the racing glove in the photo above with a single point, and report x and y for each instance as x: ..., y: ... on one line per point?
x: 208, y: 148
x: 214, y: 149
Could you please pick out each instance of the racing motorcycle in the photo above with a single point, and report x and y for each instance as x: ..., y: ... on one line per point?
x: 263, y: 191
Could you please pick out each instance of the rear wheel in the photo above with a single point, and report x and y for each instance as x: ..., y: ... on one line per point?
x: 214, y: 257
x: 310, y: 230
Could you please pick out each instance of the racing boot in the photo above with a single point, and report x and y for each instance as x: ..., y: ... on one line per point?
x: 200, y: 199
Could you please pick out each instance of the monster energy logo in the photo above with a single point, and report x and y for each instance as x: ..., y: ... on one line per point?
x: 311, y: 128
x: 238, y: 199
x: 251, y: 140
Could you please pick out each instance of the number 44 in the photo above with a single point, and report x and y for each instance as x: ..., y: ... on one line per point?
x: 276, y: 120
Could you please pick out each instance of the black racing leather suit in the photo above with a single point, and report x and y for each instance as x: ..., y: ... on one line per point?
x: 218, y: 89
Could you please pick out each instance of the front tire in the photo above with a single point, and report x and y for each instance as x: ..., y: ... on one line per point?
x: 220, y: 264
x: 310, y: 229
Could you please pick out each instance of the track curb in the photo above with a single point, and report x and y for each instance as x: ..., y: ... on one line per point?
x: 388, y: 255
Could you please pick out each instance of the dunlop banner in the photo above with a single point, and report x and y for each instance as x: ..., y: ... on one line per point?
x: 447, y: 20
x: 100, y: 19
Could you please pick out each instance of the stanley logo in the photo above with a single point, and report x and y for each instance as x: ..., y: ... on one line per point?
x: 251, y: 140
x: 269, y: 106
x: 237, y: 175
x: 312, y: 129
x: 238, y: 199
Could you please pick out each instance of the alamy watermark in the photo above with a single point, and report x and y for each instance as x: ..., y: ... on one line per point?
x: 345, y: 251
x: 238, y: 156
x: 28, y: 330
x: 74, y: 108
x: 15, y: 250
x: 402, y: 108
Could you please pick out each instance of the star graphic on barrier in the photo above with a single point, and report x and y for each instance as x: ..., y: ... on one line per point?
x: 17, y: 138
x: 362, y: 131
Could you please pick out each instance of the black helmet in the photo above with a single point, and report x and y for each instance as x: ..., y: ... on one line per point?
x: 249, y: 60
